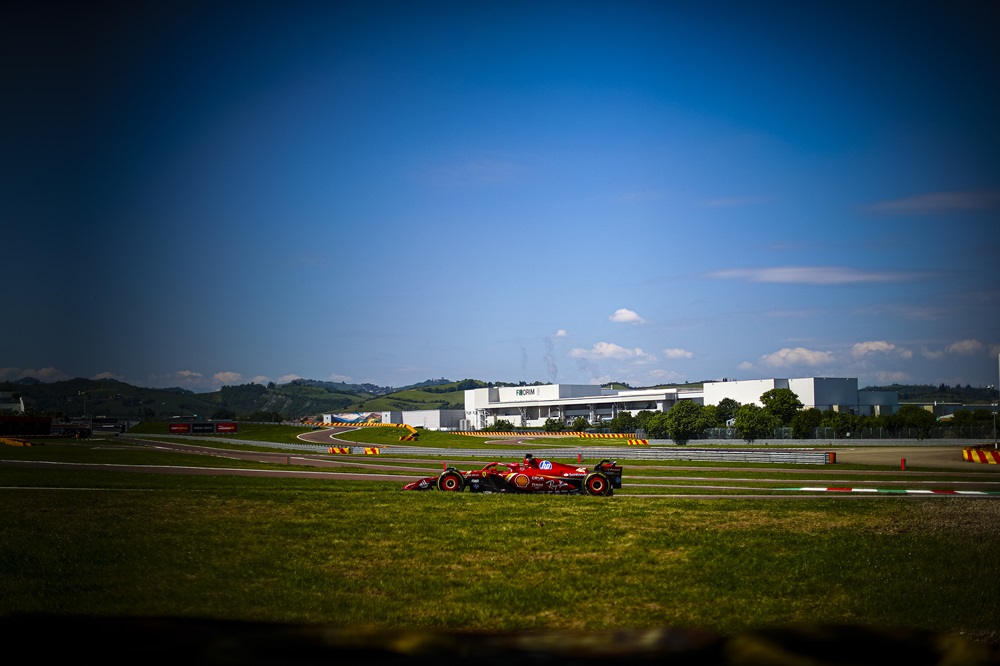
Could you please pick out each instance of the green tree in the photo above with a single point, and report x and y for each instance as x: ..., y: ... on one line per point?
x: 783, y: 403
x: 656, y: 427
x: 913, y: 417
x: 500, y: 425
x: 580, y: 424
x: 753, y: 422
x: 643, y: 418
x: 710, y: 417
x: 842, y: 423
x: 264, y: 417
x: 726, y: 410
x: 624, y: 422
x: 684, y: 421
x: 553, y: 425
x: 805, y: 421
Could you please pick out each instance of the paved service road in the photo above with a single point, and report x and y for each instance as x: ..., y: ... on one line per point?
x: 948, y: 457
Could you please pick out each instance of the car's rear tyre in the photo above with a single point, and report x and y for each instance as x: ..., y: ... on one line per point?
x: 597, y: 484
x: 451, y: 481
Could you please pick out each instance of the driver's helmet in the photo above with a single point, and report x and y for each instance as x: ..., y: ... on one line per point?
x: 529, y: 460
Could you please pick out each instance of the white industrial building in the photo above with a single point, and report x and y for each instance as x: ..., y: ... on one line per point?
x: 429, y: 419
x: 11, y: 402
x: 822, y: 393
x: 531, y: 406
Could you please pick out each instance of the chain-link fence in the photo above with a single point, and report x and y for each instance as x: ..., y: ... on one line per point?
x: 935, y: 432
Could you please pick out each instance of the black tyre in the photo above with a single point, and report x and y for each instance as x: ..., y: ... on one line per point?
x: 597, y: 483
x: 451, y: 481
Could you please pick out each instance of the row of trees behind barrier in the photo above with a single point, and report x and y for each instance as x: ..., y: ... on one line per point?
x: 783, y: 416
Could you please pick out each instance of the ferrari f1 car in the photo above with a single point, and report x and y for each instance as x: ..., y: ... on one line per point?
x: 530, y: 476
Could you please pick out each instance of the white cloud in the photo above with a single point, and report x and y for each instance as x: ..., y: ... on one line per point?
x: 819, y: 275
x: 665, y: 376
x: 42, y: 374
x: 786, y: 357
x: 284, y: 379
x: 260, y: 379
x: 678, y: 353
x: 109, y: 375
x: 334, y: 377
x: 888, y: 377
x: 938, y: 202
x: 626, y: 316
x: 745, y: 365
x: 964, y: 347
x: 188, y: 374
x: 227, y: 377
x: 561, y: 333
x: 608, y: 350
x: 930, y: 353
x: 863, y: 349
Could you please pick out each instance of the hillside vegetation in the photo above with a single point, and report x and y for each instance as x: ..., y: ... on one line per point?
x: 305, y: 399
x: 300, y: 399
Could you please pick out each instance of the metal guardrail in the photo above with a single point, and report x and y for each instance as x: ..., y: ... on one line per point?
x: 799, y: 456
x: 804, y: 457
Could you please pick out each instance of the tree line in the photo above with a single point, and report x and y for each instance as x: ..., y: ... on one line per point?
x: 782, y: 412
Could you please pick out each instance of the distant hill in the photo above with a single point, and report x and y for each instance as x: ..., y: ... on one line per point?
x: 927, y: 393
x: 301, y: 398
x: 307, y: 398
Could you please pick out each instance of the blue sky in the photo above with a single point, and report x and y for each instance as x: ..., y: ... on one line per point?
x: 202, y: 194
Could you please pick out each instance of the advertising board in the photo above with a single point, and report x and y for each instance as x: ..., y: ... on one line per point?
x: 225, y: 427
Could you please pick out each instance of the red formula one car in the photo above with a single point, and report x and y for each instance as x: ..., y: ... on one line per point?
x: 531, y: 476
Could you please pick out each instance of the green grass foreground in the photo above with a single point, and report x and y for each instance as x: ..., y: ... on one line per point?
x: 365, y: 554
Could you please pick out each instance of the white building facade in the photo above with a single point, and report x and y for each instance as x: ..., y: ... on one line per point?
x: 429, y: 419
x: 823, y: 393
x: 532, y: 406
x: 11, y: 402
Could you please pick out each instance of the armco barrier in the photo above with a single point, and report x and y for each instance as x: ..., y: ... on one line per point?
x: 981, y: 454
x: 498, y: 433
x: 799, y: 456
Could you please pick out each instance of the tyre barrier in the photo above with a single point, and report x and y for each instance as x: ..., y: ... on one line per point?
x: 348, y: 450
x: 638, y: 442
x: 498, y: 433
x: 981, y: 454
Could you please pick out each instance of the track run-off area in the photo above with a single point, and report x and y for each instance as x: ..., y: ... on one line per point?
x: 901, y: 470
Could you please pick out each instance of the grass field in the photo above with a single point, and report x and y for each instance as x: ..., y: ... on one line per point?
x: 365, y: 554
